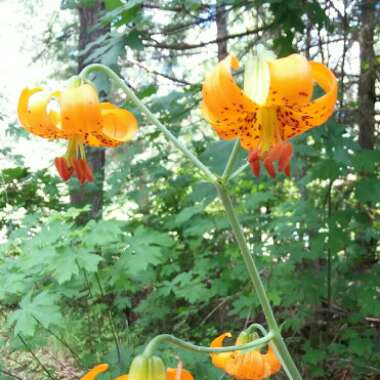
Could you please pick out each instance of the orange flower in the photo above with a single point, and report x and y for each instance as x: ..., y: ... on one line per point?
x: 275, y: 106
x: 76, y: 115
x: 251, y: 365
x: 171, y: 373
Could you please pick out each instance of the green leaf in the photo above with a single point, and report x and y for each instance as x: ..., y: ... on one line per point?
x: 368, y: 190
x: 69, y: 261
x: 42, y: 308
x: 145, y: 248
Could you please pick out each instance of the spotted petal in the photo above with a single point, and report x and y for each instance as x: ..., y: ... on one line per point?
x: 34, y: 116
x: 117, y: 126
x: 80, y: 110
x: 298, y: 119
x: 290, y: 81
x: 223, y: 100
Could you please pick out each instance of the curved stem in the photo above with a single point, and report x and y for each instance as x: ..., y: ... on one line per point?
x: 254, y: 276
x: 171, y: 339
x: 231, y: 160
x: 141, y: 106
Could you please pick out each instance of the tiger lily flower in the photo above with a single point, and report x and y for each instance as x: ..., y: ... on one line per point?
x: 136, y: 374
x: 251, y: 365
x: 76, y: 115
x: 275, y: 105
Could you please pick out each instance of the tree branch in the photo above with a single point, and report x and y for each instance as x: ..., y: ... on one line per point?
x: 185, y: 46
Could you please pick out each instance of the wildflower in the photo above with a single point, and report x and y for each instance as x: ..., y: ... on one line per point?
x: 144, y: 368
x: 275, y: 106
x: 249, y: 365
x: 75, y: 114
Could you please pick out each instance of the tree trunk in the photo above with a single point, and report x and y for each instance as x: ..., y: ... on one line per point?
x: 366, y: 111
x: 221, y: 30
x: 367, y: 80
x: 90, y: 194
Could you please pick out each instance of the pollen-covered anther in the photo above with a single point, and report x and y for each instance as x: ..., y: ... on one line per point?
x: 64, y: 170
x: 281, y: 152
x: 82, y: 170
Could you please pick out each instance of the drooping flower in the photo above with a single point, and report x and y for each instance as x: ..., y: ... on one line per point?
x: 275, y: 105
x: 75, y: 114
x: 251, y: 365
x: 144, y: 368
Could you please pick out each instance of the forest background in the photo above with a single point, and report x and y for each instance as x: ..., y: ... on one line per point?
x: 89, y: 274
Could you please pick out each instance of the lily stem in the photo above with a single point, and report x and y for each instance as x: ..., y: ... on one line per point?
x: 231, y: 160
x: 258, y: 285
x: 149, y: 115
x: 171, y: 339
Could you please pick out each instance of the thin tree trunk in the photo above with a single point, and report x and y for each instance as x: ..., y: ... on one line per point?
x: 367, y: 80
x: 221, y: 30
x: 366, y: 110
x: 90, y: 194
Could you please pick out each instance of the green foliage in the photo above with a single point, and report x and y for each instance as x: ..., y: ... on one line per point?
x: 163, y: 259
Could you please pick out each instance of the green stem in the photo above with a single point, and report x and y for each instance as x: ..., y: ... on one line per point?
x: 231, y: 160
x: 149, y: 115
x: 238, y: 171
x: 61, y: 340
x: 111, y: 321
x: 36, y: 358
x: 166, y: 338
x: 254, y: 276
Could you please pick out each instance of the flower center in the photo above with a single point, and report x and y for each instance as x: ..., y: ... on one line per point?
x: 270, y: 132
x: 75, y: 149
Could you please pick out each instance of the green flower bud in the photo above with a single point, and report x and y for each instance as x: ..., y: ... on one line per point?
x: 147, y: 368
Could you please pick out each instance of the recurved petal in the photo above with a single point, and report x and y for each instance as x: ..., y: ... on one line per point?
x: 118, y: 126
x: 80, y: 110
x: 224, y: 100
x: 22, y: 107
x: 34, y: 116
x: 122, y: 377
x: 220, y: 360
x: 290, y: 81
x: 91, y: 375
x: 297, y: 120
x: 321, y: 109
x: 172, y: 374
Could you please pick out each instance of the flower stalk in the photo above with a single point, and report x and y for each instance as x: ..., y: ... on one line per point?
x: 152, y: 346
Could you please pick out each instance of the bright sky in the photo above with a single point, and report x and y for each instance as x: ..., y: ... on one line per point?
x: 21, y: 29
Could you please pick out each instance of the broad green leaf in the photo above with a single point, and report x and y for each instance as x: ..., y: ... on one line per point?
x: 42, y: 308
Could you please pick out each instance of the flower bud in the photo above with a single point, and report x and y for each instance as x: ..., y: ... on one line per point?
x: 147, y: 368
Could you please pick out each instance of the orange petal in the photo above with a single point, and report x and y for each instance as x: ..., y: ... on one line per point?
x: 290, y: 81
x: 297, y: 120
x: 91, y: 375
x: 247, y: 366
x: 33, y: 114
x: 220, y: 360
x: 118, y: 126
x: 172, y: 373
x: 271, y: 359
x: 122, y: 377
x: 223, y: 101
x: 321, y: 109
x: 80, y: 110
